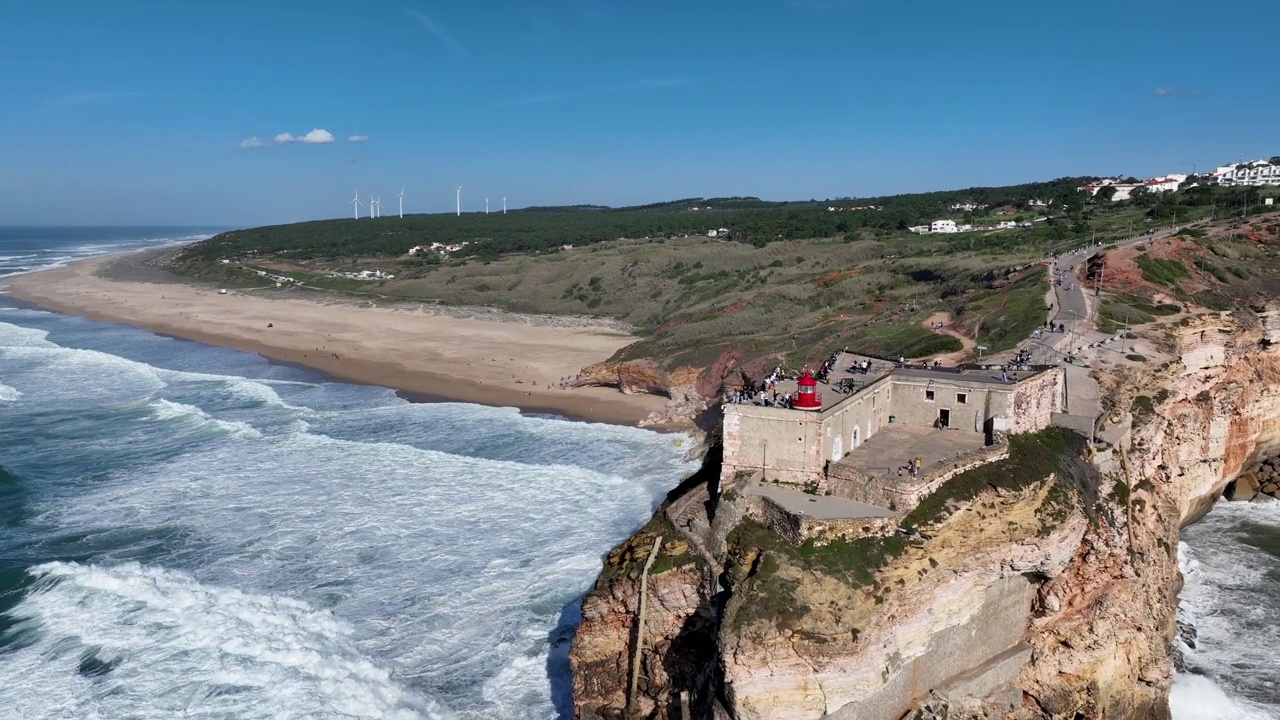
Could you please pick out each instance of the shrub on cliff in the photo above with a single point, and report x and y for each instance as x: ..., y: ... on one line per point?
x: 1162, y: 272
x: 1033, y: 457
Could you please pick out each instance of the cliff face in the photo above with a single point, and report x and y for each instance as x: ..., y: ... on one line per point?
x: 679, y: 631
x: 1104, y: 651
x: 1012, y: 604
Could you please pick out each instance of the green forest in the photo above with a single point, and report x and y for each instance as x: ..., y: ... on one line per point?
x: 532, y: 230
x: 747, y: 220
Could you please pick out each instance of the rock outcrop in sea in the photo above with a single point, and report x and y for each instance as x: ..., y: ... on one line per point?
x: 1048, y: 593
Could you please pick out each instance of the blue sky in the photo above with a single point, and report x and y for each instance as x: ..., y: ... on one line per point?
x: 134, y: 112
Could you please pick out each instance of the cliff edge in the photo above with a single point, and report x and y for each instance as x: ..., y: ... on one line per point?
x: 1043, y: 585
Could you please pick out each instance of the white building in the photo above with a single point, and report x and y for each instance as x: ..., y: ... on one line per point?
x: 1168, y: 183
x: 943, y: 226
x: 1258, y: 172
x: 1006, y: 225
x: 1124, y: 191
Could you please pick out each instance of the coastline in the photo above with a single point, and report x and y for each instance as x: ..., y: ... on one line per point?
x: 426, y: 355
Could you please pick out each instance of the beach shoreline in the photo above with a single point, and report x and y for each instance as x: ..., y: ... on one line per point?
x: 423, y: 354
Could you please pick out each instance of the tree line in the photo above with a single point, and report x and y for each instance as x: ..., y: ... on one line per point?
x: 547, y: 229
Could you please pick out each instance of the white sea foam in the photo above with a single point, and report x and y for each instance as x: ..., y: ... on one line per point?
x: 1229, y: 597
x: 1196, y: 697
x: 257, y: 391
x: 8, y: 393
x: 452, y: 569
x: 77, y: 371
x: 447, y: 540
x: 168, y: 410
x: 19, y: 336
x: 134, y: 641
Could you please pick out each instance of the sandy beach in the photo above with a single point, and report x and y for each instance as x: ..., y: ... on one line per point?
x: 509, y: 361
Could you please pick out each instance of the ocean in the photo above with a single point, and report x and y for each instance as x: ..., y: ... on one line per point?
x: 191, y: 531
x: 1230, y: 561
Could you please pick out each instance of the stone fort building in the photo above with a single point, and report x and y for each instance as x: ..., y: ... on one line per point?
x: 858, y: 445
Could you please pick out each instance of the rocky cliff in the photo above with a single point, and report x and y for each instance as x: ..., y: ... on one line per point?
x: 1050, y: 595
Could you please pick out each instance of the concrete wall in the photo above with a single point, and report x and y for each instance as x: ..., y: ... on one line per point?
x: 794, y: 446
x: 786, y: 444
x: 902, y: 494
x: 982, y: 401
x: 1036, y: 399
x: 849, y: 423
x: 797, y: 529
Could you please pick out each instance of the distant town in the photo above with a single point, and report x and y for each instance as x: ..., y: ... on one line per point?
x: 1256, y: 173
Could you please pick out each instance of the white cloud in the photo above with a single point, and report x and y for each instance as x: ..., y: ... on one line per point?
x: 317, y: 137
x: 358, y: 138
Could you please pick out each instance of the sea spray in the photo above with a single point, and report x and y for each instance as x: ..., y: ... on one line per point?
x: 1230, y: 561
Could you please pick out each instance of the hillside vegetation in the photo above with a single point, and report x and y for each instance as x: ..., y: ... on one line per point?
x: 787, y: 283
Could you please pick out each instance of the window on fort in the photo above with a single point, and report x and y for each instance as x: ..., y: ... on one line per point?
x: 962, y: 398
x: 928, y: 395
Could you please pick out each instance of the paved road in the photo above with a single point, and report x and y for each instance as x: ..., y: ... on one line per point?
x: 1074, y: 304
x: 1070, y: 307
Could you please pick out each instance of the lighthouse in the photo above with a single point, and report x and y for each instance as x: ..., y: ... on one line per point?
x: 807, y: 397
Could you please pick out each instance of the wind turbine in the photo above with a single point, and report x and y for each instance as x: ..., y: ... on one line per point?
x: 401, y: 203
x: 373, y: 204
x: 458, y: 189
x: 377, y: 207
x: 486, y: 206
x: 355, y: 205
x: 504, y: 204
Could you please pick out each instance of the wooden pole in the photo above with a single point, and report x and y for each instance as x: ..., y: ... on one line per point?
x: 644, y: 600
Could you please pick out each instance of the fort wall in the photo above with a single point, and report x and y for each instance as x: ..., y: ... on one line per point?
x: 1036, y: 400
x: 798, y: 529
x: 903, y: 493
x: 794, y: 447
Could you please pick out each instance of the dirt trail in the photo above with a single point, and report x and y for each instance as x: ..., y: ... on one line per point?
x: 943, y: 321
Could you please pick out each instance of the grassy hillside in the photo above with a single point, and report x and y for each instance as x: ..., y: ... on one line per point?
x: 788, y: 282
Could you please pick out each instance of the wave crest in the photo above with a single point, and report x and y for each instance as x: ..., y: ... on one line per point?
x: 137, y: 641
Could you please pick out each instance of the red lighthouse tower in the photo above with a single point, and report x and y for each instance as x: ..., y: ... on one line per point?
x: 807, y: 397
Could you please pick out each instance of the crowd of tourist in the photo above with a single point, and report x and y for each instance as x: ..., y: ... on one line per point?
x: 765, y: 393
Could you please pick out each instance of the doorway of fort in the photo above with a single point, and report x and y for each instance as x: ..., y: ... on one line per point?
x: 837, y: 451
x: 944, y: 417
x: 853, y: 439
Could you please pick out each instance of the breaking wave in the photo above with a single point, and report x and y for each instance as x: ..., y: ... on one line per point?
x: 195, y: 530
x: 109, y: 641
x: 1230, y: 562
